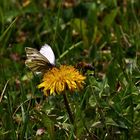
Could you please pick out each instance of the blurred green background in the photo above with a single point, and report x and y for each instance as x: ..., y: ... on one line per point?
x: 108, y: 36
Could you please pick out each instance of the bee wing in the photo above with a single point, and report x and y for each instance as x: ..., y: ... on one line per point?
x: 36, y: 61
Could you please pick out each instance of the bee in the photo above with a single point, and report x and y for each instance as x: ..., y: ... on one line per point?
x: 85, y: 67
x: 40, y: 61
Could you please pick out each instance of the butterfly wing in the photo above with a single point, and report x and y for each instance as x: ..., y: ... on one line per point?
x: 47, y: 51
x: 36, y: 61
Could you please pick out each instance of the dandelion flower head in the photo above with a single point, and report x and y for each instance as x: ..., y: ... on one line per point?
x: 57, y: 80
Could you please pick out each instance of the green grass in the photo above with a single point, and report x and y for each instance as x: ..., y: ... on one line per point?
x: 105, y: 34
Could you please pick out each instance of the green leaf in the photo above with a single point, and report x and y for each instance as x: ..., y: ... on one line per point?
x: 109, y: 19
x: 113, y: 74
x: 92, y: 101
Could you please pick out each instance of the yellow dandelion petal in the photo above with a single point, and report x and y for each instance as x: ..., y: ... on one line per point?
x: 46, y: 93
x: 59, y: 87
x: 52, y: 88
x: 56, y: 80
x: 41, y: 85
x: 71, y: 85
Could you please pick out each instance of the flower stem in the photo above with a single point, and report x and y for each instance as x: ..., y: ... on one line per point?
x: 68, y: 108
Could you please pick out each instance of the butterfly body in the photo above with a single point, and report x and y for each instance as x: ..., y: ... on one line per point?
x: 40, y: 61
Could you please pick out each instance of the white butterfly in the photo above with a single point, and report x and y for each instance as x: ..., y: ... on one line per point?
x: 40, y: 61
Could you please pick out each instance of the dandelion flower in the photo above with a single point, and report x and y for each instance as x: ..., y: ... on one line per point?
x: 57, y: 80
